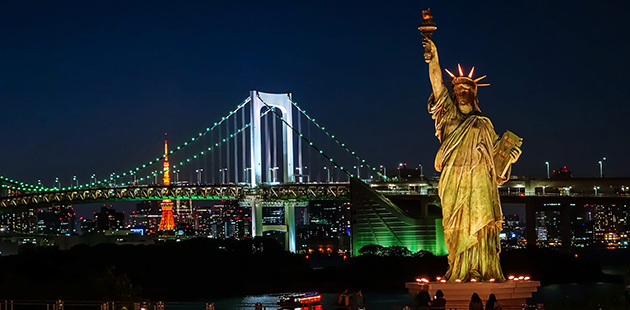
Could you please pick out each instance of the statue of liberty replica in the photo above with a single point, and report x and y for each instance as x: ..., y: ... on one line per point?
x: 472, y: 160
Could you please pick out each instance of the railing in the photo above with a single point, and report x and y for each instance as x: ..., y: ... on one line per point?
x: 159, y: 305
x: 100, y: 305
x: 434, y: 191
x: 515, y: 307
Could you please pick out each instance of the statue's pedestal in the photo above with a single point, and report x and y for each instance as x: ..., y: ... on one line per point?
x: 510, y: 293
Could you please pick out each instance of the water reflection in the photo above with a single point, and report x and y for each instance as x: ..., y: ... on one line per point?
x: 549, y: 295
x: 375, y: 301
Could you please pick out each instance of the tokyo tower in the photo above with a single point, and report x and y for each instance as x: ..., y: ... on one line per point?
x: 167, y: 222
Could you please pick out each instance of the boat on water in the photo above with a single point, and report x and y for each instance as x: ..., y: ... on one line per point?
x: 299, y: 299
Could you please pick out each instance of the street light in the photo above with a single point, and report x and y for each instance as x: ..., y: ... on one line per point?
x: 300, y: 174
x: 547, y: 163
x: 384, y: 172
x: 595, y: 188
x: 358, y: 172
x: 223, y: 172
x: 93, y: 177
x: 421, y: 173
x: 328, y: 171
x: 247, y: 174
x: 199, y: 171
x: 74, y: 178
x: 177, y: 175
x: 58, y: 183
x: 274, y: 173
x: 601, y: 167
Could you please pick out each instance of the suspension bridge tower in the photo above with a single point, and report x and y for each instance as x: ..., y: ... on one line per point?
x: 167, y: 222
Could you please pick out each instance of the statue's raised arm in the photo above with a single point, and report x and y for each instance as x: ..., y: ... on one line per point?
x: 435, y: 72
x: 427, y: 26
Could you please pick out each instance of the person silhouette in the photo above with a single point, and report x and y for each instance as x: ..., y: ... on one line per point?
x: 475, y: 302
x: 492, y: 303
x: 439, y: 302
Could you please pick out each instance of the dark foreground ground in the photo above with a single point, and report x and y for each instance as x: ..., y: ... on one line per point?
x: 204, y: 269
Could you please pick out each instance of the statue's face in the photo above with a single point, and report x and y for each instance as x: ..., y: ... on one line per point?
x: 465, y: 97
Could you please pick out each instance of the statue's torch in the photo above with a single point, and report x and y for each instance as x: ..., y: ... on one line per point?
x: 427, y: 26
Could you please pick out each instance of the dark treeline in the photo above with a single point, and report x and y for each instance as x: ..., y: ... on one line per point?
x: 191, y: 270
x: 206, y: 269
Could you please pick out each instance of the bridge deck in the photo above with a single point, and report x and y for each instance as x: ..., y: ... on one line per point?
x: 204, y: 192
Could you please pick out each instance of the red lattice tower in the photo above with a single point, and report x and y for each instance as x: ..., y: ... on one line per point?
x: 167, y: 222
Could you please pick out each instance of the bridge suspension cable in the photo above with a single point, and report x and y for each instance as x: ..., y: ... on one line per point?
x: 20, y: 185
x: 216, y: 145
x: 215, y: 148
x: 343, y: 145
x: 198, y: 155
x: 117, y: 176
x: 301, y: 136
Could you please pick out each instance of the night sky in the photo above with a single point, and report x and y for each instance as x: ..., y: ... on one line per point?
x: 91, y: 86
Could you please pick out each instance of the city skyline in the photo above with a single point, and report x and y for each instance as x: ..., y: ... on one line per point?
x: 109, y: 73
x: 590, y: 224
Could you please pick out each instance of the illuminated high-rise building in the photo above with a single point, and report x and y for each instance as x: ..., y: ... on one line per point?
x: 167, y: 222
x: 57, y: 220
x: 147, y: 216
x: 108, y: 219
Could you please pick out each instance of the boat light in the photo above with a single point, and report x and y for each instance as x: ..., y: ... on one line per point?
x: 310, y: 299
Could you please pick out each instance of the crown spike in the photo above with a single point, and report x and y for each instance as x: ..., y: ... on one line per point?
x: 449, y: 73
x: 479, y: 78
x: 461, y: 72
x: 482, y: 85
x: 470, y: 75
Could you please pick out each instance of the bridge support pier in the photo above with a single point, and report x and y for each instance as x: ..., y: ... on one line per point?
x: 254, y: 202
x: 289, y: 221
x: 258, y: 227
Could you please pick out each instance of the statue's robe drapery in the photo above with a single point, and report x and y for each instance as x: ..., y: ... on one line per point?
x: 471, y: 208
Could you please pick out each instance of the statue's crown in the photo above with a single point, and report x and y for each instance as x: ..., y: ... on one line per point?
x: 463, y: 79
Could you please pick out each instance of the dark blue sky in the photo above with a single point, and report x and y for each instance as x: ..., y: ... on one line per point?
x: 90, y: 87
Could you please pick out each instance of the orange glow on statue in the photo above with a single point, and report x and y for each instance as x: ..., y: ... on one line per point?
x: 167, y: 222
x: 473, y: 161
